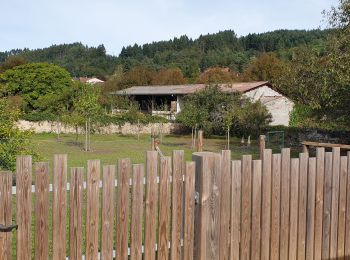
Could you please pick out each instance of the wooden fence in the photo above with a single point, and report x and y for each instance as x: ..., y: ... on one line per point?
x: 211, y: 208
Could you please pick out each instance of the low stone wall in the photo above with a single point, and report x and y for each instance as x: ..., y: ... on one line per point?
x: 132, y: 129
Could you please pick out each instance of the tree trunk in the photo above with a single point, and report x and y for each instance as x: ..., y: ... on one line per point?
x: 86, y: 135
x: 228, y: 138
x: 76, y: 133
x: 58, y: 129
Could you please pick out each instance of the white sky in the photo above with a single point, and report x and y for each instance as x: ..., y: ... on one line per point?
x: 115, y: 23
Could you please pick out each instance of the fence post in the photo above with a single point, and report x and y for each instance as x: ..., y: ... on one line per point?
x: 5, y: 213
x: 200, y: 143
x: 262, y: 145
x: 207, y: 210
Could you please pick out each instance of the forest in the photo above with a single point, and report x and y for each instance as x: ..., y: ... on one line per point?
x: 192, y: 56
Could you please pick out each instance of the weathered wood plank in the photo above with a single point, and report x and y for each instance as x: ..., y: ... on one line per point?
x: 235, y: 209
x: 124, y: 169
x: 342, y: 207
x: 189, y: 195
x: 303, y: 168
x: 176, y: 217
x: 108, y: 180
x: 225, y: 213
x: 151, y: 205
x: 246, y: 206
x: 59, y: 206
x: 320, y: 154
x: 41, y: 211
x: 327, y: 205
x: 310, y: 215
x: 294, y: 198
x: 76, y: 200
x: 335, y: 204
x: 24, y: 206
x: 328, y: 145
x: 347, y: 219
x: 5, y: 214
x: 275, y: 205
x: 137, y: 211
x: 204, y: 168
x: 256, y: 210
x: 266, y: 205
x: 164, y: 208
x: 92, y: 209
x: 285, y: 200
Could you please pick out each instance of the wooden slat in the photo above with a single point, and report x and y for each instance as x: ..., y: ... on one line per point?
x: 266, y: 205
x: 92, y: 209
x: 256, y: 210
x: 310, y: 215
x: 327, y: 199
x: 108, y: 180
x: 335, y: 204
x: 225, y: 213
x: 342, y: 206
x: 246, y: 206
x: 151, y: 205
x: 275, y: 205
x: 176, y: 217
x: 76, y: 200
x: 189, y: 197
x: 329, y: 145
x: 24, y: 206
x: 164, y: 208
x: 235, y: 209
x: 320, y: 153
x: 285, y: 200
x: 294, y: 198
x: 42, y: 211
x: 5, y: 213
x: 347, y: 219
x: 124, y: 169
x: 137, y: 212
x: 204, y: 170
x: 303, y: 167
x: 59, y: 206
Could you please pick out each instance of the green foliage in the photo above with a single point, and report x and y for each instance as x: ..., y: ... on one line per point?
x: 13, y: 142
x: 43, y: 86
x: 80, y: 60
x: 215, y: 112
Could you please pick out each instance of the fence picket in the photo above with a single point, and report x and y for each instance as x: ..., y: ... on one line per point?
x: 59, y: 206
x: 342, y: 206
x: 256, y: 210
x: 151, y: 205
x: 137, y: 212
x: 266, y: 205
x: 41, y: 211
x: 320, y: 154
x: 24, y: 206
x: 5, y: 213
x: 92, y: 209
x: 124, y: 169
x: 294, y: 202
x: 335, y: 204
x: 107, y: 211
x: 310, y: 215
x: 76, y: 200
x: 189, y: 197
x: 285, y: 200
x: 164, y: 208
x: 347, y: 219
x: 235, y: 209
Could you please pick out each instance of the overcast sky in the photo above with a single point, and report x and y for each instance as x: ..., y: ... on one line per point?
x: 115, y: 23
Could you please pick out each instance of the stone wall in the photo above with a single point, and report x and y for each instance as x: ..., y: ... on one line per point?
x: 133, y: 129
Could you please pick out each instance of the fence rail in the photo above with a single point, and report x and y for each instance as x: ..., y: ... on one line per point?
x: 276, y: 207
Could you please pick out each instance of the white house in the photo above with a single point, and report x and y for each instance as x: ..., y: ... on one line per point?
x: 168, y: 100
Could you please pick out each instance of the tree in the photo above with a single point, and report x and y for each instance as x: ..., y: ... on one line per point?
x: 216, y: 75
x: 11, y: 62
x: 172, y: 76
x: 42, y: 86
x: 86, y: 105
x: 13, y: 142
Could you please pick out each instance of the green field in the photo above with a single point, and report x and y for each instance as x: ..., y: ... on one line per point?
x: 110, y: 148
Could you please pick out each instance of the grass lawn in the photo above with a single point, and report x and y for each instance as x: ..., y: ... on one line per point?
x: 110, y: 148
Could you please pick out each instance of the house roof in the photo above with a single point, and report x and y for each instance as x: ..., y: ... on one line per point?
x: 187, y: 89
